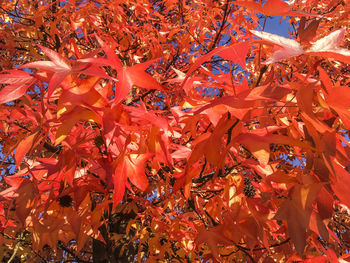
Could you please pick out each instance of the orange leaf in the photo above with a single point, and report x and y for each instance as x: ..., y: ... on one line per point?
x: 339, y: 100
x: 341, y: 184
x: 135, y: 169
x: 70, y: 119
x: 26, y: 194
x: 297, y: 211
x: 23, y: 147
x: 212, y: 237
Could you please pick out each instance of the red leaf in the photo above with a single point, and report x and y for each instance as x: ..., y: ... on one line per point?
x: 113, y: 59
x: 272, y: 92
x: 62, y: 68
x: 135, y: 75
x: 140, y: 78
x: 182, y: 152
x: 235, y: 53
x: 260, y: 145
x: 325, y: 79
x: 239, y: 106
x: 317, y: 225
x: 58, y: 65
x: 142, y: 113
x: 18, y: 81
x: 127, y: 77
x: 325, y: 204
x: 306, y: 34
x: 273, y: 8
x: 57, y: 59
x: 119, y: 180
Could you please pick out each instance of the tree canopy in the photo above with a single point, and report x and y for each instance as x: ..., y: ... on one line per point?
x: 174, y: 131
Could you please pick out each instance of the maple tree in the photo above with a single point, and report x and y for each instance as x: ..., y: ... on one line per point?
x: 174, y: 131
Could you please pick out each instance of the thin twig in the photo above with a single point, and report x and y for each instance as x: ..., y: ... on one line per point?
x: 259, y: 55
x: 218, y: 34
x: 245, y: 251
x: 273, y: 245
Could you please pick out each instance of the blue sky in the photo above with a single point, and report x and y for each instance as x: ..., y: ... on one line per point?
x: 277, y: 26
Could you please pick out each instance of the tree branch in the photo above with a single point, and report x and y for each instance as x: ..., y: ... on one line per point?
x: 218, y: 33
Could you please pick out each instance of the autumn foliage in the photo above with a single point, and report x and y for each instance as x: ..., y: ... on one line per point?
x: 174, y: 131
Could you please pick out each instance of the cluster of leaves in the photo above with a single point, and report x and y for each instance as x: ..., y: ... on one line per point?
x: 174, y: 131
